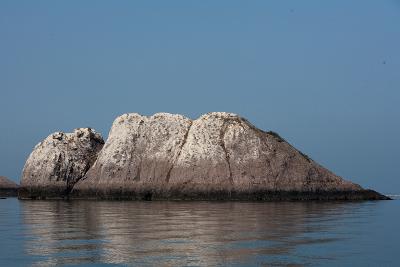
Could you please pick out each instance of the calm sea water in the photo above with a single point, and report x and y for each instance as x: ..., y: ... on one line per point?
x: 114, y: 233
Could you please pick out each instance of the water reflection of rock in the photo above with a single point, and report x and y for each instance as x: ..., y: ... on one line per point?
x: 175, y: 233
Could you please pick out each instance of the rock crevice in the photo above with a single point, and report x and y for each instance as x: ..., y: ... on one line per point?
x: 179, y: 152
x: 227, y: 158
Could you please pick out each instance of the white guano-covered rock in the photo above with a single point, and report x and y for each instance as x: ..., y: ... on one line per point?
x: 58, y: 162
x: 138, y: 155
x: 217, y: 156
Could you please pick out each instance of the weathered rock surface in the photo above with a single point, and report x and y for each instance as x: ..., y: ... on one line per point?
x: 217, y: 156
x: 7, y: 187
x: 58, y: 162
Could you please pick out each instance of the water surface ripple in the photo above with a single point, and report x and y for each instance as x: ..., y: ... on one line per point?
x: 49, y: 233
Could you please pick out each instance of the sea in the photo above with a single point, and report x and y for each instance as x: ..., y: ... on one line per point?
x: 160, y: 233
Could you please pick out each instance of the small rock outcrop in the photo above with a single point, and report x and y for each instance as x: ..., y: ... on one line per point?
x: 58, y: 162
x: 165, y: 156
x: 7, y: 187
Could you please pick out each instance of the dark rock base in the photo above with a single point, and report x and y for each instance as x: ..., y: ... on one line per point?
x: 8, y: 192
x: 210, y: 196
x: 43, y: 193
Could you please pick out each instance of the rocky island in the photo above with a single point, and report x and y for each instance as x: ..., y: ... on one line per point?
x: 7, y: 187
x: 219, y: 156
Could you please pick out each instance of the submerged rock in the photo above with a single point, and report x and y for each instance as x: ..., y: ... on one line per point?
x: 7, y: 187
x: 58, y: 162
x: 217, y: 156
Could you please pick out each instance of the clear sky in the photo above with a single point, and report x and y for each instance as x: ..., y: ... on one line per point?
x: 323, y: 74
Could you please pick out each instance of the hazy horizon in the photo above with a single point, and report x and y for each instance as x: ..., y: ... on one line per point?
x: 325, y: 76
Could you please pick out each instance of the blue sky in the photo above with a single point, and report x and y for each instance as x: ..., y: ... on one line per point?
x: 325, y: 75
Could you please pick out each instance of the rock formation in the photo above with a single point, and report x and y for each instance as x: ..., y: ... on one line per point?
x: 7, y: 187
x: 58, y: 162
x: 217, y: 156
